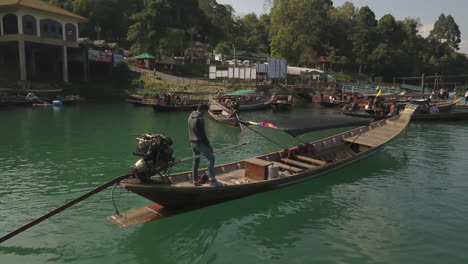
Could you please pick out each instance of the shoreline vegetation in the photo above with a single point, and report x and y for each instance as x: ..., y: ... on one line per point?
x: 352, y: 39
x: 348, y: 41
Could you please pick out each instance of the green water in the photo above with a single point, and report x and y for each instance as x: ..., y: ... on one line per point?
x: 406, y: 204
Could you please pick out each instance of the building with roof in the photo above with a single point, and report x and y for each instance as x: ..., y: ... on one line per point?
x: 321, y: 62
x: 247, y: 55
x: 36, y: 40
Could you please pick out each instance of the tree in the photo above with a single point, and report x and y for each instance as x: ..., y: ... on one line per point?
x: 150, y: 25
x: 252, y: 33
x: 221, y: 17
x: 389, y: 30
x: 223, y: 48
x: 446, y: 30
x: 173, y: 43
x: 298, y: 25
x: 364, y: 35
x: 342, y: 23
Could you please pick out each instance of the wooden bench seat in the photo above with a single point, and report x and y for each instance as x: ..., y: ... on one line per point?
x: 287, y: 167
x: 298, y: 163
x: 311, y: 160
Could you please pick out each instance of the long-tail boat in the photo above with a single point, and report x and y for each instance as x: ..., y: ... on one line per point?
x: 332, y: 104
x: 282, y: 102
x: 441, y: 116
x: 247, y: 99
x: 180, y: 101
x: 444, y: 112
x: 133, y: 98
x: 223, y: 114
x: 278, y: 169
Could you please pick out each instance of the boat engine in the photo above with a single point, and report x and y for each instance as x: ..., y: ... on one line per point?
x: 156, y: 156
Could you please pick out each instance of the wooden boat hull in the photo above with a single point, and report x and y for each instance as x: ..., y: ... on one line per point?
x: 461, y: 106
x: 309, y: 161
x: 258, y: 106
x: 231, y: 121
x: 442, y: 116
x: 331, y: 104
x: 281, y: 106
x: 417, y: 117
x: 203, y: 196
x: 168, y: 108
x: 375, y: 117
x: 442, y: 106
x: 134, y: 102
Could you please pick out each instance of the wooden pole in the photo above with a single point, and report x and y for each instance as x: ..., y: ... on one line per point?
x: 422, y: 83
x: 65, y: 206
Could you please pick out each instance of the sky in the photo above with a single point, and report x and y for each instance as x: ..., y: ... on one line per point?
x: 426, y: 10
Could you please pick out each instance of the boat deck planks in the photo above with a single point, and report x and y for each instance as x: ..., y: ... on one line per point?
x: 287, y: 167
x: 311, y: 160
x: 298, y: 163
x: 376, y: 136
x: 229, y: 177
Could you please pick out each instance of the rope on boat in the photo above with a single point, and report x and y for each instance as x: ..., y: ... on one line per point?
x: 113, y: 202
x: 350, y: 144
x: 272, y: 141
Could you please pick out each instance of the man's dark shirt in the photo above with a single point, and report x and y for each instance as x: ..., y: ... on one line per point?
x: 196, y: 127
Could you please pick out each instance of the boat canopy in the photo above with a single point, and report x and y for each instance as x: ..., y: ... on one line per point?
x: 172, y: 92
x: 145, y: 56
x: 242, y: 92
x: 297, y: 127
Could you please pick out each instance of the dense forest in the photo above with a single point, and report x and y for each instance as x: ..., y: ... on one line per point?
x: 298, y: 30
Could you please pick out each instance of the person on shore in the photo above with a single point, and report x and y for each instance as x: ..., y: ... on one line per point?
x: 393, y: 110
x: 466, y: 97
x: 200, y: 144
x: 370, y: 102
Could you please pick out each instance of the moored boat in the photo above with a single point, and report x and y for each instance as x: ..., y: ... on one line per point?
x: 441, y: 116
x: 332, y: 104
x: 224, y: 117
x: 188, y: 106
x: 447, y: 106
x: 179, y: 101
x: 134, y: 99
x: 247, y: 100
x: 282, y: 102
x: 281, y: 106
x: 223, y: 114
x: 279, y: 169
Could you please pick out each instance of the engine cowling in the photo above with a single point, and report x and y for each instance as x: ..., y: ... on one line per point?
x: 156, y: 156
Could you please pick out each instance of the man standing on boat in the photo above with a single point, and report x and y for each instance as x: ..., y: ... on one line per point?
x: 200, y: 144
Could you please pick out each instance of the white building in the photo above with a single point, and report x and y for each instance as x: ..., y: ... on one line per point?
x: 36, y: 39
